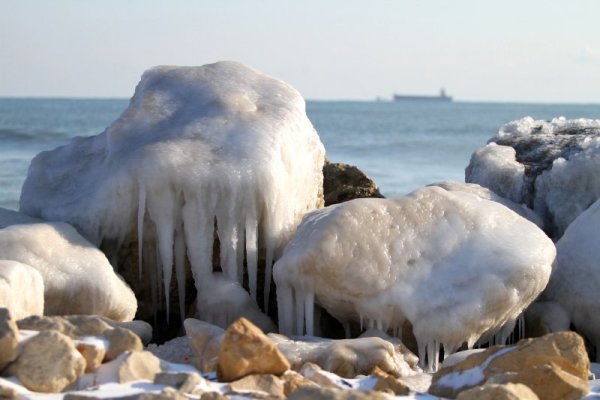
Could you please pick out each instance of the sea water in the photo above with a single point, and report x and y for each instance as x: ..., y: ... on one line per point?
x: 400, y: 145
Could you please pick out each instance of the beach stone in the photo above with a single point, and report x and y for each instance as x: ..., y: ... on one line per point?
x: 9, y: 338
x: 343, y: 182
x: 21, y: 289
x: 92, y: 353
x: 119, y: 341
x: 212, y: 396
x: 141, y: 328
x: 183, y: 381
x: 315, y: 374
x: 268, y: 384
x: 247, y: 350
x: 138, y: 365
x: 509, y: 391
x: 388, y: 383
x: 88, y: 325
x: 320, y: 393
x: 292, y: 381
x: 205, y: 340
x: 44, y: 323
x: 49, y: 362
x: 565, y: 350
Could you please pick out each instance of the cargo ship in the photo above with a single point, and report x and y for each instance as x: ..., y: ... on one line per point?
x: 441, y: 97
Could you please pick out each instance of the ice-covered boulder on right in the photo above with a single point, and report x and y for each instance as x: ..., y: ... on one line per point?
x: 456, y: 266
x: 575, y: 282
x: 552, y: 167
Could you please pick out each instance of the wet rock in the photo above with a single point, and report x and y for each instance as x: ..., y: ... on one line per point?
x: 247, y: 350
x: 343, y: 182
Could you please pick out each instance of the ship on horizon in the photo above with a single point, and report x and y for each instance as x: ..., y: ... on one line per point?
x: 441, y: 97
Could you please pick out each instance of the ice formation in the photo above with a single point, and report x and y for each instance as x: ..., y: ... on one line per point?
x: 77, y: 277
x: 455, y: 265
x: 549, y: 166
x: 21, y: 289
x: 575, y: 283
x: 220, y: 147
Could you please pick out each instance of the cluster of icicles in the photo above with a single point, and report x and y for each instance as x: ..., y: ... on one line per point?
x: 296, y: 317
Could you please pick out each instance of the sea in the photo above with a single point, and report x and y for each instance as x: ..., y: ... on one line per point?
x: 400, y: 145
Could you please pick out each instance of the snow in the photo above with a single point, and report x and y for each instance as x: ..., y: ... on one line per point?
x: 221, y: 145
x: 574, y: 283
x: 455, y: 265
x: 77, y: 277
x: 550, y: 166
x: 21, y: 289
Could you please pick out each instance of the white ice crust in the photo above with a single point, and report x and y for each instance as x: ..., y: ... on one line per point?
x: 457, y: 266
x: 21, y: 289
x: 560, y: 193
x: 575, y: 282
x: 77, y: 277
x: 219, y: 144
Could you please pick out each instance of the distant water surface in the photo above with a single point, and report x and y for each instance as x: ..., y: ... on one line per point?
x: 402, y: 145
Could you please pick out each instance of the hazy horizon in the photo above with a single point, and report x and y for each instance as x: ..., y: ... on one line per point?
x: 509, y: 52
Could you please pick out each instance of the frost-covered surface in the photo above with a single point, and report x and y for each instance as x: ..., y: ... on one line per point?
x: 221, y: 145
x: 176, y: 350
x: 549, y: 166
x: 487, y: 194
x: 575, y: 282
x: 77, y: 277
x: 21, y: 289
x: 455, y: 265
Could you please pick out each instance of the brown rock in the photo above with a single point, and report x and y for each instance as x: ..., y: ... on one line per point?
x: 88, y: 325
x: 212, y: 396
x: 45, y: 323
x: 293, y: 381
x: 311, y: 393
x: 205, y: 340
x: 270, y: 385
x: 7, y: 391
x: 315, y: 374
x: 388, y: 383
x: 247, y: 350
x: 92, y: 353
x: 566, y: 350
x: 9, y: 338
x: 343, y: 182
x: 509, y: 391
x: 183, y: 381
x: 121, y: 340
x: 49, y: 362
x: 140, y: 328
x: 138, y: 365
x: 550, y: 382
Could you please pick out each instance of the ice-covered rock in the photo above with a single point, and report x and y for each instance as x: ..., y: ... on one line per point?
x: 549, y: 166
x: 21, y: 289
x: 219, y: 147
x: 78, y: 279
x: 575, y: 282
x: 457, y: 266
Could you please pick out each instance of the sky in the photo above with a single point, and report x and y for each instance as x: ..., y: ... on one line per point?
x: 509, y: 50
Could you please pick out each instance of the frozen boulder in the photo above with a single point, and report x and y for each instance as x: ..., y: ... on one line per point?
x: 458, y: 267
x: 549, y: 166
x: 575, y: 282
x: 220, y: 149
x: 77, y: 277
x: 21, y: 289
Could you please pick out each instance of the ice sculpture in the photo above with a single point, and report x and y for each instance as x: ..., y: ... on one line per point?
x: 219, y: 147
x: 455, y: 265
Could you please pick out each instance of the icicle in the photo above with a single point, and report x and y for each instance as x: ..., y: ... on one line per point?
x: 198, y: 229
x: 379, y: 324
x: 159, y: 272
x: 309, y: 312
x: 180, y: 269
x: 140, y: 225
x: 360, y: 316
x: 422, y: 355
x: 252, y: 253
x: 241, y: 239
x: 300, y: 300
x: 521, y: 321
x: 268, y: 270
x: 347, y: 333
x: 285, y: 304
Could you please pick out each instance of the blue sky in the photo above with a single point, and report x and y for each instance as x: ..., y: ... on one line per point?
x: 542, y: 51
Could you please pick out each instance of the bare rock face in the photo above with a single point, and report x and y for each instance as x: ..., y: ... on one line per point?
x: 49, y: 363
x: 247, y: 350
x: 509, y: 391
x: 9, y: 338
x: 205, y: 340
x: 343, y: 182
x: 555, y: 363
